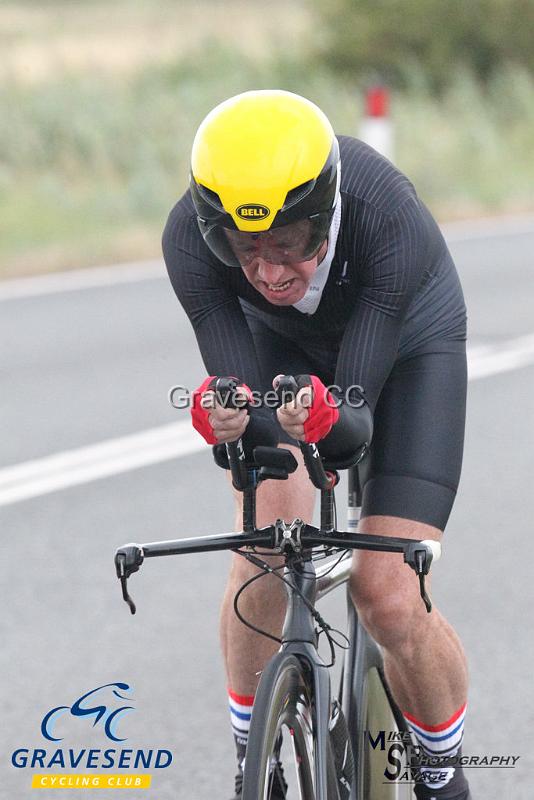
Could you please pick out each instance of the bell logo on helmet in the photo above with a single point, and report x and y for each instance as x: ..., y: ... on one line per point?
x: 252, y: 211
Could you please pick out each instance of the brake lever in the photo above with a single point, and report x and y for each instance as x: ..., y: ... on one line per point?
x: 126, y: 596
x: 422, y: 591
x: 128, y: 559
x: 419, y: 556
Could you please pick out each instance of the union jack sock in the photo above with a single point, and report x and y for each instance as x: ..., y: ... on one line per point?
x: 440, y: 774
x: 240, y: 715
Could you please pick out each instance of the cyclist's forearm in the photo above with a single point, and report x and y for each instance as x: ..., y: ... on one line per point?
x: 353, y: 429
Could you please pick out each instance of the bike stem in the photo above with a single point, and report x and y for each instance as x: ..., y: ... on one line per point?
x: 254, y: 478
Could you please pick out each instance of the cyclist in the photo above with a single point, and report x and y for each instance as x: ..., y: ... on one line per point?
x: 298, y: 252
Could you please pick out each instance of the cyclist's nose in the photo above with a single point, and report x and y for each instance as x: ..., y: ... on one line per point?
x: 270, y: 273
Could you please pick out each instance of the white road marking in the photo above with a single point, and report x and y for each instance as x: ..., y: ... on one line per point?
x: 84, y: 464
x: 90, y: 278
x: 94, y: 277
x: 492, y: 359
x: 155, y: 445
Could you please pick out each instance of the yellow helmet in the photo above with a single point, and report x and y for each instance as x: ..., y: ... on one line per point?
x: 265, y: 163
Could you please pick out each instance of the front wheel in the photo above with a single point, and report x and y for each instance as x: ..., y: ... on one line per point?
x: 281, y: 730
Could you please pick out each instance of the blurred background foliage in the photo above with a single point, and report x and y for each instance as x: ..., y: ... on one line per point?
x: 427, y: 39
x: 100, y: 102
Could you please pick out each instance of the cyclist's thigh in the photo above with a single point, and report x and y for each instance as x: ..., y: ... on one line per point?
x: 417, y: 449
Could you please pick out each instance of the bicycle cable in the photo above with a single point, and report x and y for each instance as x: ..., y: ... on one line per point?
x: 323, y: 626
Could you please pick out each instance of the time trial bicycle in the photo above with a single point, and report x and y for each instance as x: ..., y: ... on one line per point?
x: 325, y: 744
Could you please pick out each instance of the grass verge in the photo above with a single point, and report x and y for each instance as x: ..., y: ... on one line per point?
x: 91, y: 164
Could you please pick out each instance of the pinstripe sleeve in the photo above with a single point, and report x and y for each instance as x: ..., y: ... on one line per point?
x: 389, y: 279
x: 222, y: 333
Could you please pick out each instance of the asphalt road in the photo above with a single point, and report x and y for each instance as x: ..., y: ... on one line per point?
x: 81, y: 367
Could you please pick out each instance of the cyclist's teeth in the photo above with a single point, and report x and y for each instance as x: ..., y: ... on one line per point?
x: 278, y: 287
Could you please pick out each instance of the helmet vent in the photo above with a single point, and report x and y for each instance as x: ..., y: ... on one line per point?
x: 211, y: 197
x: 297, y: 194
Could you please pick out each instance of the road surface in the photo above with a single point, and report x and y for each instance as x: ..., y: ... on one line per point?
x: 86, y: 368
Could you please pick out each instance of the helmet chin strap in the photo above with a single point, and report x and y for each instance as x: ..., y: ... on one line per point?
x: 334, y: 229
x: 325, y: 249
x: 310, y: 302
x: 338, y: 181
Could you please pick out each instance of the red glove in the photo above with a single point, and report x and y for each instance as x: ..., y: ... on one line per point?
x: 323, y: 413
x: 200, y: 416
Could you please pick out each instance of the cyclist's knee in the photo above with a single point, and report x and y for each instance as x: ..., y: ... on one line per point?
x: 389, y: 621
x: 385, y: 590
x: 388, y: 603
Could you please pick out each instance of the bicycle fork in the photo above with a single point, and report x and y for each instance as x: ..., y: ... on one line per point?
x: 300, y: 638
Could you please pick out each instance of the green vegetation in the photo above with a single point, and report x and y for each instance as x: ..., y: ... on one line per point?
x: 400, y: 38
x: 91, y: 159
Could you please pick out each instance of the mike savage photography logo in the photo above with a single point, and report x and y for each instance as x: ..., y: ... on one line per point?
x: 406, y: 763
x: 103, y: 709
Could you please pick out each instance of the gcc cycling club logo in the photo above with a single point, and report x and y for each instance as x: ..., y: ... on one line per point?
x: 85, y: 707
x: 102, y: 709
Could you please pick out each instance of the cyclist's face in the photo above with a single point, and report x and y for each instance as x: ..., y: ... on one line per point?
x: 282, y: 284
x: 279, y: 262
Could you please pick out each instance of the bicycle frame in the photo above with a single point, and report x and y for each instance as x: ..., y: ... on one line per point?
x: 306, y: 585
x: 300, y: 638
